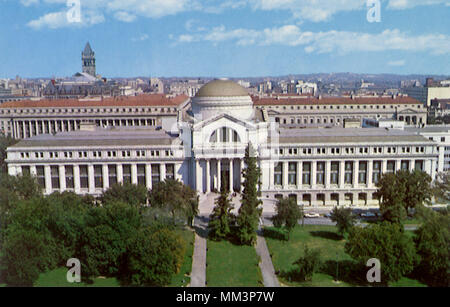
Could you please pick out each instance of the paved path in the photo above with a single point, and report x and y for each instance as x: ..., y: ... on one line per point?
x: 198, y: 273
x: 266, y: 265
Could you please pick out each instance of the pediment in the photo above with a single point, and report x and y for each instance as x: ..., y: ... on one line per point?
x: 227, y: 117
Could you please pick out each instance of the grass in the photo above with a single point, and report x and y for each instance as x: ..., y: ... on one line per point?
x: 331, y: 246
x: 230, y: 265
x: 182, y: 278
x: 57, y: 277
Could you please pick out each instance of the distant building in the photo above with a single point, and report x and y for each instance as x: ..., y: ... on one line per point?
x: 439, y: 108
x: 441, y: 136
x: 431, y: 90
x: 88, y: 60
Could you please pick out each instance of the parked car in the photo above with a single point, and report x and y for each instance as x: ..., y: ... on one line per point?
x: 328, y: 215
x: 368, y: 214
x: 312, y: 215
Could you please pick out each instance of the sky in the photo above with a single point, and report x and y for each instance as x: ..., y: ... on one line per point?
x: 224, y: 38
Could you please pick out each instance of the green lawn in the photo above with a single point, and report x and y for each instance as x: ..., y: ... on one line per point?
x: 57, y: 278
x: 331, y: 247
x: 230, y: 265
x: 182, y: 278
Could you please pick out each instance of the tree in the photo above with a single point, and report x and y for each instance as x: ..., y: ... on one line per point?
x: 28, y: 246
x: 387, y: 243
x: 14, y: 189
x: 249, y: 212
x: 176, y: 198
x: 344, y: 219
x: 433, y: 246
x: 5, y: 142
x: 401, y: 192
x: 307, y: 265
x: 154, y: 256
x: 103, y: 245
x: 441, y: 186
x: 135, y: 195
x: 287, y: 214
x: 221, y: 217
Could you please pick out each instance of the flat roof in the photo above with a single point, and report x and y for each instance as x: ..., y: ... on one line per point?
x: 101, y: 137
x: 435, y: 129
x: 348, y: 135
x: 333, y: 101
x: 121, y: 101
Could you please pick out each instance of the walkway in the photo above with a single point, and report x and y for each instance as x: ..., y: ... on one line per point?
x: 198, y: 273
x: 266, y: 265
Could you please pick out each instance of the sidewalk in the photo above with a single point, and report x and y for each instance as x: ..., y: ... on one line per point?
x: 266, y: 265
x: 198, y: 273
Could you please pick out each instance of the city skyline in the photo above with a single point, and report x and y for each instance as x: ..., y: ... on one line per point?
x: 225, y: 39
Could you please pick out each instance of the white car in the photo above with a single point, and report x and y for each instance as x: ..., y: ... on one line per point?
x: 312, y: 215
x: 368, y: 214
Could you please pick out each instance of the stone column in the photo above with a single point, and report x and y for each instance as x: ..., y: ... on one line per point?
x: 231, y: 176
x: 271, y: 175
x: 327, y: 174
x: 91, y: 178
x: 105, y: 175
x: 148, y: 176
x: 208, y: 176
x: 313, y: 174
x: 219, y: 177
x: 285, y: 175
x: 76, y: 178
x: 299, y: 175
x: 398, y: 165
x: 33, y: 170
x: 411, y: 164
x: 241, y: 177
x: 383, y: 166
x: 24, y: 130
x: 177, y: 170
x: 341, y: 174
x: 369, y: 176
x: 355, y: 173
x: 62, y: 178
x: 134, y: 179
x: 30, y: 127
x: 119, y: 173
x: 48, y: 179
x: 163, y: 171
x: 197, y: 176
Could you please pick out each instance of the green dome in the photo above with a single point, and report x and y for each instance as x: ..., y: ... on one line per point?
x: 221, y: 88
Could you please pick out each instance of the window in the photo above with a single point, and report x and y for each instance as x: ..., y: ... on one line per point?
x: 418, y: 165
x: 155, y: 174
x: 320, y: 173
x: 26, y: 170
x: 141, y: 174
x: 348, y: 173
x: 405, y: 165
x: 278, y: 174
x: 376, y: 175
x: 112, y: 174
x: 98, y: 176
x: 69, y: 177
x: 334, y: 175
x: 170, y: 171
x: 362, y: 172
x: 292, y: 175
x: 40, y: 176
x: 54, y: 177
x: 126, y: 173
x: 306, y: 176
x: 84, y: 178
x: 390, y: 168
